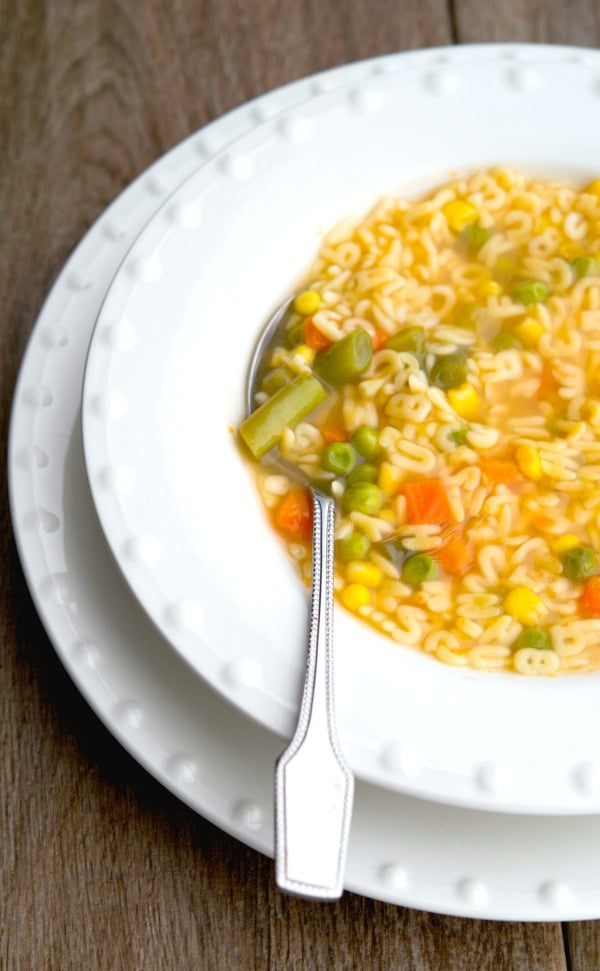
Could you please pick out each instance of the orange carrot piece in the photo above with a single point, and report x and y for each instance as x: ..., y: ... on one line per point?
x: 427, y: 502
x: 501, y: 471
x: 314, y: 337
x: 548, y: 385
x: 589, y: 602
x: 294, y: 515
x: 379, y: 338
x: 331, y: 433
x: 543, y: 521
x: 456, y: 556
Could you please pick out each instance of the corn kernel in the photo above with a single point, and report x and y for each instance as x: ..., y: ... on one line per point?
x: 524, y: 606
x: 569, y: 250
x: 390, y: 478
x: 550, y: 563
x: 465, y: 400
x: 593, y: 188
x: 307, y: 303
x: 368, y: 574
x: 529, y: 462
x: 505, y: 178
x: 529, y: 331
x: 459, y: 214
x: 355, y: 595
x: 542, y: 225
x: 305, y: 352
x: 564, y: 543
x: 491, y: 288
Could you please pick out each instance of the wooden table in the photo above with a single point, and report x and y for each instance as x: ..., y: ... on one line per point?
x: 100, y: 867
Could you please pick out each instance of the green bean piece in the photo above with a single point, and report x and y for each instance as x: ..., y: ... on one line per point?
x: 262, y: 429
x: 363, y: 497
x: 530, y: 291
x: 366, y: 442
x: 339, y: 458
x: 585, y: 266
x: 409, y: 340
x: 275, y: 379
x: 449, y: 370
x: 354, y: 547
x: 419, y: 568
x: 473, y: 237
x: 534, y: 637
x: 365, y: 472
x: 579, y: 562
x: 347, y: 359
x: 505, y: 340
x: 295, y: 334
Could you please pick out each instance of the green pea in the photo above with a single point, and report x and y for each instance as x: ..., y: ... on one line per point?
x: 363, y: 497
x: 534, y: 637
x: 339, y: 458
x: 459, y: 435
x: 579, y: 562
x: 505, y: 340
x: 585, y: 266
x: 347, y: 359
x: 449, y: 370
x: 419, y: 568
x: 366, y: 442
x: 474, y: 236
x: 409, y: 340
x: 365, y: 472
x: 354, y: 547
x: 275, y: 379
x: 530, y: 291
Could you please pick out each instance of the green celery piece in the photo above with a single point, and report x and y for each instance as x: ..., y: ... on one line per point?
x: 262, y: 429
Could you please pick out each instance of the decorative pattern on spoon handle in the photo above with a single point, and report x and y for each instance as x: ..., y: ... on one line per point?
x: 314, y: 785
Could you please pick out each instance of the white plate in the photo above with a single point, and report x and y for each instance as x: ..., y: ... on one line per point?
x: 220, y: 764
x: 164, y: 387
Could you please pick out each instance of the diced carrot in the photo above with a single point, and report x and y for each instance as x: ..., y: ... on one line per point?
x: 331, y: 433
x: 456, y: 556
x: 379, y: 338
x: 314, y: 337
x: 589, y: 602
x: 294, y: 515
x: 501, y: 471
x: 548, y: 385
x: 543, y: 521
x: 427, y: 502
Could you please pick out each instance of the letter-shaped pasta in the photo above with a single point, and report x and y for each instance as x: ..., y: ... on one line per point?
x: 568, y: 640
x: 528, y: 660
x: 411, y: 624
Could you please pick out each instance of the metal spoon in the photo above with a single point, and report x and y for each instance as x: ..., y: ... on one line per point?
x: 314, y: 786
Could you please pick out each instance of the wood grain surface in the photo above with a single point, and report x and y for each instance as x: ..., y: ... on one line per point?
x: 100, y: 867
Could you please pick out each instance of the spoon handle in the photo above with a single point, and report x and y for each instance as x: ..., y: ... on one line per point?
x: 313, y: 784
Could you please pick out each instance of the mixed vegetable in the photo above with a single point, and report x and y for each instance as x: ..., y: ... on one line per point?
x: 439, y: 377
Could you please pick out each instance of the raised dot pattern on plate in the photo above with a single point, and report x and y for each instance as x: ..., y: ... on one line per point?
x: 36, y: 462
x: 493, y: 781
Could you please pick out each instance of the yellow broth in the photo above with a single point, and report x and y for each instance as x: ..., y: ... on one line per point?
x: 488, y: 432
